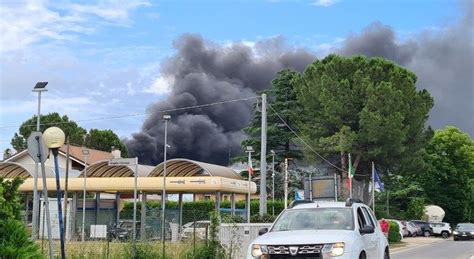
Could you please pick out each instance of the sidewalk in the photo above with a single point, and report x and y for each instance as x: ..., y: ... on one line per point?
x: 412, y: 242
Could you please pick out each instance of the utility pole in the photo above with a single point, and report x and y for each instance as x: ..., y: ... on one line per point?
x: 273, y: 181
x: 250, y: 169
x: 263, y: 159
x: 286, y: 183
x: 166, y: 118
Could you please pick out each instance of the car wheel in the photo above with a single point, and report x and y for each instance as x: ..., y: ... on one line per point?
x: 445, y: 234
x: 386, y: 254
x: 427, y: 233
x: 455, y: 239
x: 362, y: 255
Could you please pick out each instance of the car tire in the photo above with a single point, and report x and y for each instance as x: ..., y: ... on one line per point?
x: 386, y: 254
x: 455, y: 239
x: 362, y: 255
x: 445, y: 234
x: 426, y: 233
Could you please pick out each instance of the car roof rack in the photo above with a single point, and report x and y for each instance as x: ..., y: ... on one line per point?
x: 299, y: 202
x: 351, y: 201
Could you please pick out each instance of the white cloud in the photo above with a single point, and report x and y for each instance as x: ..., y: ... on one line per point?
x: 160, y: 86
x: 27, y: 22
x: 114, y: 11
x: 324, y: 3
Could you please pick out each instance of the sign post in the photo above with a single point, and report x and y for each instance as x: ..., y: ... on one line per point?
x: 37, y: 149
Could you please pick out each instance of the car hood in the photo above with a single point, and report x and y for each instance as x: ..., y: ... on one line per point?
x: 300, y: 237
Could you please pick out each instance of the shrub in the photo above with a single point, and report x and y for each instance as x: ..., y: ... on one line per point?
x: 266, y: 218
x: 14, y: 238
x: 394, y: 233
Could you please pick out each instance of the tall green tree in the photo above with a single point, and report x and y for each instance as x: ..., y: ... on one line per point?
x: 70, y: 128
x: 283, y: 109
x: 104, y: 140
x: 97, y: 139
x: 450, y: 156
x: 369, y: 107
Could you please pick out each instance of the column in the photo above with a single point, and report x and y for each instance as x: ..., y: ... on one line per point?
x: 218, y: 201
x: 97, y: 206
x: 232, y: 204
x: 180, y: 202
x: 117, y: 207
x: 143, y: 217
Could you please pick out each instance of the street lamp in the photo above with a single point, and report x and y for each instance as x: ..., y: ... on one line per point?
x: 249, y: 150
x: 273, y: 181
x: 166, y: 118
x: 39, y: 87
x: 54, y: 139
x: 85, y: 153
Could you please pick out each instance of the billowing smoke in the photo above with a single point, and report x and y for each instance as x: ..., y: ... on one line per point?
x: 204, y: 72
x: 443, y: 60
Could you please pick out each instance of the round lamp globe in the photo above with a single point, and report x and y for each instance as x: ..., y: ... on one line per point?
x: 54, y: 137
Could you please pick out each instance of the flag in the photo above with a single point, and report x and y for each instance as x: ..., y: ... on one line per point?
x: 351, y: 169
x: 299, y: 195
x: 378, y: 184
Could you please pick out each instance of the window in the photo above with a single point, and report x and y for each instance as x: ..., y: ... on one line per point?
x: 315, y: 219
x: 360, y: 218
x: 370, y: 220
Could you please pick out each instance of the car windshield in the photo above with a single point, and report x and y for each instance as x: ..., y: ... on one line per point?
x: 465, y: 226
x: 315, y: 219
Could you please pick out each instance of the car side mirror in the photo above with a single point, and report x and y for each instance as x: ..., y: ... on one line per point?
x: 262, y: 231
x: 367, y: 230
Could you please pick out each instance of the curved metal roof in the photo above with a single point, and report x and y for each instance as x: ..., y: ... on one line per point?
x: 102, y: 169
x: 12, y: 170
x: 181, y: 167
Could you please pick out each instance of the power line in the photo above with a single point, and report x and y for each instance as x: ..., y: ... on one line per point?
x: 304, y: 142
x: 141, y: 114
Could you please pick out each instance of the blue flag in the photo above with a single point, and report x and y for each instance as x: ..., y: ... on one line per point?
x: 378, y: 182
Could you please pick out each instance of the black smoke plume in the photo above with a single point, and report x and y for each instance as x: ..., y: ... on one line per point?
x: 442, y: 58
x: 204, y: 72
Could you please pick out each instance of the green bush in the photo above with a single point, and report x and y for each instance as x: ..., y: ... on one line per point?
x: 266, y: 218
x: 14, y: 239
x: 394, y: 233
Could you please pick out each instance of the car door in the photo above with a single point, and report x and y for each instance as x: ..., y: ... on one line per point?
x: 368, y: 240
x: 436, y: 228
x: 373, y: 238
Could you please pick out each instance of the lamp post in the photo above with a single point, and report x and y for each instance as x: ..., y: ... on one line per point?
x: 249, y: 150
x: 39, y: 87
x: 273, y: 181
x: 54, y: 139
x: 166, y: 118
x: 85, y: 153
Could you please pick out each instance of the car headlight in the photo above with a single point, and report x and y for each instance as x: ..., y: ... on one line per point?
x: 472, y: 232
x: 336, y: 249
x: 259, y: 250
x: 455, y: 232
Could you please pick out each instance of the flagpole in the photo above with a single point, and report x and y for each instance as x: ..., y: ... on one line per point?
x: 373, y: 186
x: 350, y: 176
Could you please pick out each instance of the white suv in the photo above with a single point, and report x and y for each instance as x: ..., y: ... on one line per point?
x: 322, y: 229
x: 441, y: 228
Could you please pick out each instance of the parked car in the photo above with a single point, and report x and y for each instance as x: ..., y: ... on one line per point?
x: 464, y: 231
x: 426, y: 229
x: 406, y: 232
x: 124, y: 230
x: 413, y: 230
x: 202, y: 227
x: 441, y: 229
x: 320, y: 229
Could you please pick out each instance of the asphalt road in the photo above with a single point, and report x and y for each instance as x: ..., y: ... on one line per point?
x: 439, y: 249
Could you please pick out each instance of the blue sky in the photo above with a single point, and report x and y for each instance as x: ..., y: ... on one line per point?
x: 102, y: 58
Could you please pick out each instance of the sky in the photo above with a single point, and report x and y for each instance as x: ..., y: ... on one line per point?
x: 104, y: 59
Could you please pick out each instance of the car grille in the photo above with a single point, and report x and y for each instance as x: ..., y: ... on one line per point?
x: 303, y: 251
